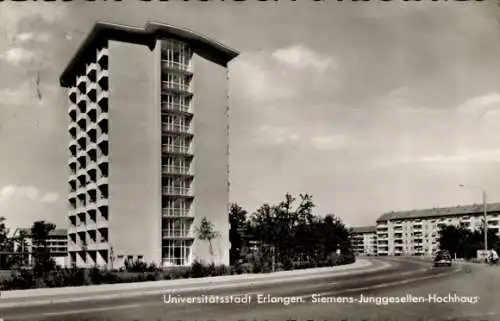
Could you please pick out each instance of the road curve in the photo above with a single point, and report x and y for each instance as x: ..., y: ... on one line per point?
x: 402, y: 273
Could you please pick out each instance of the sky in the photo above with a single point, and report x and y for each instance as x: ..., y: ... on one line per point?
x: 368, y: 106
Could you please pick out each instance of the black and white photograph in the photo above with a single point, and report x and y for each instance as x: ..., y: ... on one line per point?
x: 246, y: 160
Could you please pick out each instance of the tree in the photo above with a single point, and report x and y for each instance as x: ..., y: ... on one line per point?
x: 21, y: 257
x: 464, y: 243
x: 206, y: 232
x: 295, y: 234
x: 5, y: 244
x: 237, y: 222
x: 40, y: 232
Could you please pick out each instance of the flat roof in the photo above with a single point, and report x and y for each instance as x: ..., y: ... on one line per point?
x: 441, y: 211
x: 147, y: 36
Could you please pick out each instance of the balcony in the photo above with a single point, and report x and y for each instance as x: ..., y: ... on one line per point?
x: 175, y: 212
x: 72, y: 94
x: 176, y: 128
x: 177, y: 234
x: 176, y: 170
x: 166, y: 107
x: 91, y: 206
x: 71, y: 195
x: 101, y: 223
x: 81, y: 154
x: 103, y: 180
x: 102, y: 138
x: 174, y: 65
x: 102, y: 202
x: 178, y: 87
x: 102, y: 53
x: 179, y: 149
x: 103, y: 96
x: 174, y: 190
x: 91, y: 69
x: 81, y: 79
x: 81, y: 227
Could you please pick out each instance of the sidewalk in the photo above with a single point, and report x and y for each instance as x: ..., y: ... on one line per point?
x: 32, y: 297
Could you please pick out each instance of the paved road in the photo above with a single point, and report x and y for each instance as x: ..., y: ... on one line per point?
x: 406, y: 277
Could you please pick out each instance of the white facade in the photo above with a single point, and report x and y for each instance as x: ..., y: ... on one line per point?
x: 364, y: 240
x: 417, y: 232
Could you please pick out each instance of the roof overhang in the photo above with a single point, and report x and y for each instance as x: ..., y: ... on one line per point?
x: 147, y: 36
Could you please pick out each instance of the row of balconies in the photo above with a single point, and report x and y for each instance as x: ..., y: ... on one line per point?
x: 78, y: 207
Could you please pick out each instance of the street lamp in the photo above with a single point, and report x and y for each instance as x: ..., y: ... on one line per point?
x: 485, y: 212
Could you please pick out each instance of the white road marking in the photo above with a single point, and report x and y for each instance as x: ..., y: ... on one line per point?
x: 91, y: 310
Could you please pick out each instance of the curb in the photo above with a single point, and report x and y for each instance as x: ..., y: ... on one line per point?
x: 95, y: 289
x: 195, y: 288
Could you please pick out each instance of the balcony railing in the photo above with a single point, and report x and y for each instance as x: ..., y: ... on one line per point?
x: 177, y: 234
x: 175, y: 65
x: 167, y: 148
x: 175, y: 212
x: 176, y: 128
x: 175, y: 107
x: 176, y: 169
x: 174, y: 190
x: 166, y: 85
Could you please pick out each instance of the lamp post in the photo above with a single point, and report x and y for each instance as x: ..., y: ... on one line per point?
x: 485, y: 213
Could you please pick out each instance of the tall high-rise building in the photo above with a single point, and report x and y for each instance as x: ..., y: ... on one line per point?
x: 148, y: 146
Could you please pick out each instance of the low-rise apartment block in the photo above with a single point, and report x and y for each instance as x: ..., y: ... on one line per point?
x: 57, y: 244
x: 416, y: 232
x: 364, y: 240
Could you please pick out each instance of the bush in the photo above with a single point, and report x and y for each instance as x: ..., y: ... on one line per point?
x: 197, y: 270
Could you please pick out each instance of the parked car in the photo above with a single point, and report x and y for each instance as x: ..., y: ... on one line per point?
x: 442, y: 258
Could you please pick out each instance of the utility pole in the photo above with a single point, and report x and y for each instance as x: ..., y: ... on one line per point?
x: 485, y: 209
x: 485, y: 213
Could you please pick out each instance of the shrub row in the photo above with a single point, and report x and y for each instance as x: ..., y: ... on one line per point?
x: 26, y: 279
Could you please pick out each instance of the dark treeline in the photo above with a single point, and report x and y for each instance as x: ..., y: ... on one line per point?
x: 288, y: 234
x: 461, y: 242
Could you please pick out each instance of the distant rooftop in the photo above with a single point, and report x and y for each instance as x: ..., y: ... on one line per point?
x: 56, y: 232
x: 147, y: 36
x: 441, y: 211
x: 364, y: 229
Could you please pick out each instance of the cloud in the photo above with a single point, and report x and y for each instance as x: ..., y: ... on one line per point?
x: 31, y: 193
x: 27, y: 37
x: 488, y: 104
x: 17, y: 56
x: 50, y: 197
x: 330, y: 141
x: 302, y: 57
x: 300, y: 137
x: 253, y: 79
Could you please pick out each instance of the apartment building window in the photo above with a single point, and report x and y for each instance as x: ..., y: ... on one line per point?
x: 176, y: 54
x: 176, y: 252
